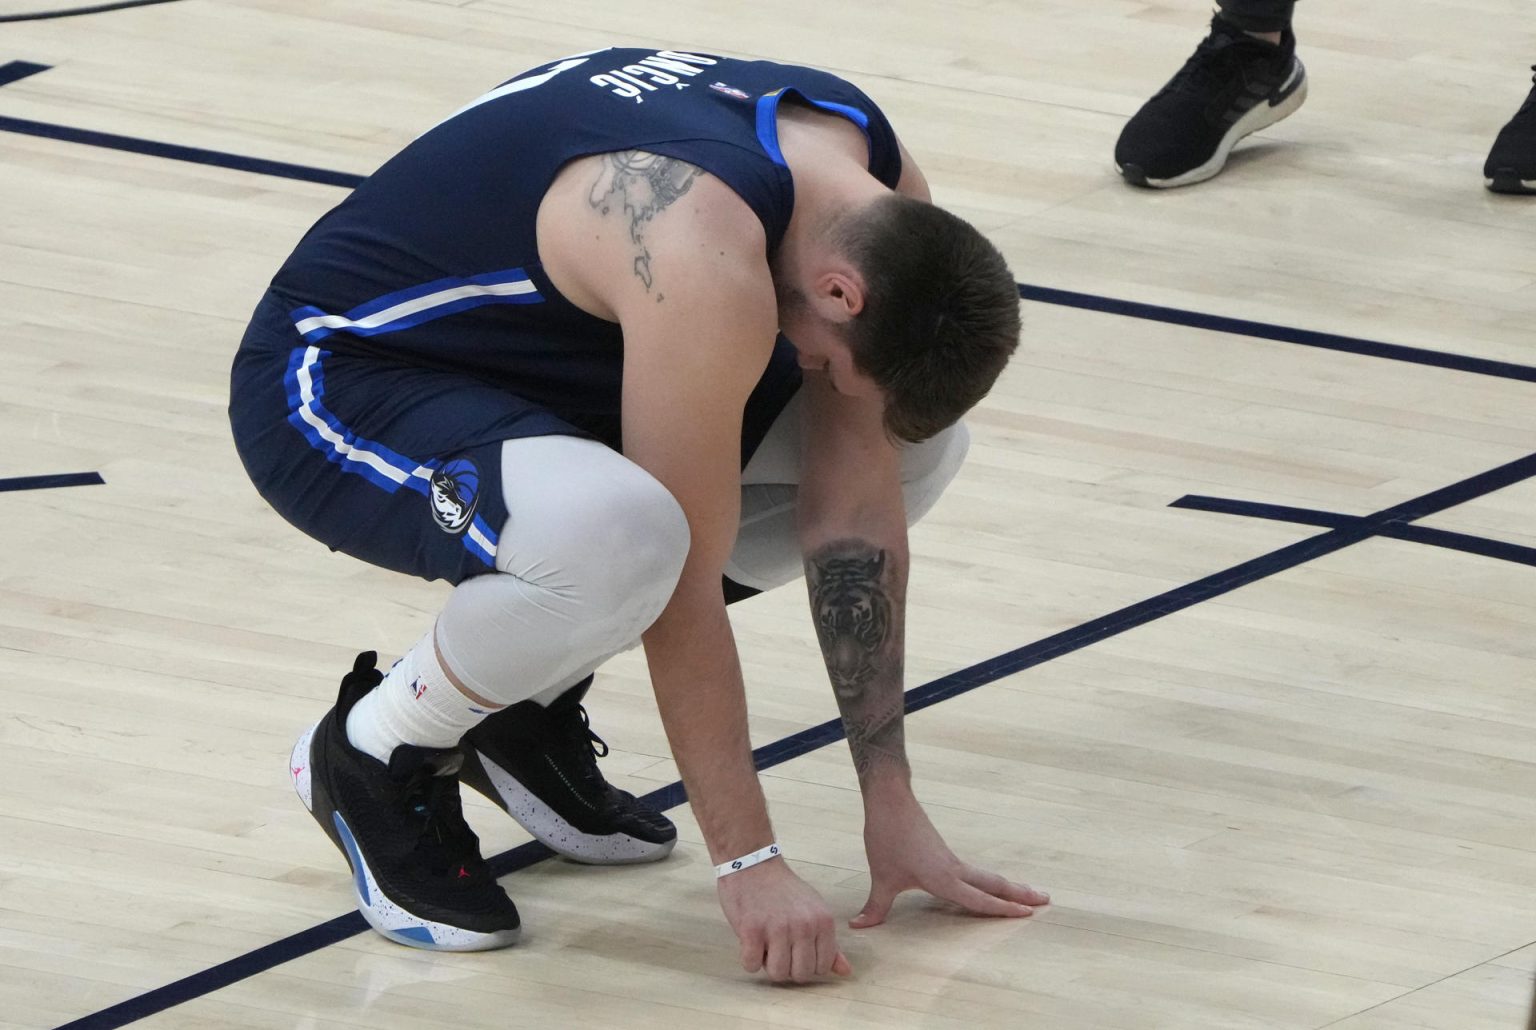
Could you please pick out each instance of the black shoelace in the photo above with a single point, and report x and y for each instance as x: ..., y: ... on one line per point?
x: 1210, y: 67
x: 447, y: 844
x: 598, y: 745
x: 583, y: 745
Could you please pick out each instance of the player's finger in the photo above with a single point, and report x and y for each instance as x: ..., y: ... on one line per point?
x: 980, y: 902
x: 841, y: 965
x: 751, y: 953
x: 826, y: 948
x: 1002, y: 887
x: 875, y: 909
x: 802, y: 961
x: 777, y: 962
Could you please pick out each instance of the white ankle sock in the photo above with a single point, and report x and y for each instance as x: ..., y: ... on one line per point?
x: 416, y: 704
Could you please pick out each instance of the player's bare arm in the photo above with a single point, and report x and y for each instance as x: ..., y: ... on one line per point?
x: 680, y: 262
x: 854, y: 535
x: 858, y: 583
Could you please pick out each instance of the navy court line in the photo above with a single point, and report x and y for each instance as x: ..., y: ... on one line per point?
x: 1041, y: 294
x: 176, y: 152
x: 1279, y: 333
x: 14, y: 71
x: 71, y: 12
x: 1255, y: 510
x: 814, y: 737
x: 52, y: 482
x: 1311, y: 517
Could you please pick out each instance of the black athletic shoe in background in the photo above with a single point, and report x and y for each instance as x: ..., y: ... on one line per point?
x: 1511, y: 165
x: 1233, y: 85
x: 416, y: 865
x: 540, y: 765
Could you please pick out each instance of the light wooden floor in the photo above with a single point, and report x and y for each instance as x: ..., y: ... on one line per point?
x: 1309, y: 802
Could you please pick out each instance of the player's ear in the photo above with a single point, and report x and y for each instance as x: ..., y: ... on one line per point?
x: 839, y: 294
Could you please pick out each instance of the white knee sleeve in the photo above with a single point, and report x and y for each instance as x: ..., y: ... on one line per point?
x: 589, y: 557
x: 767, y: 552
x: 928, y: 468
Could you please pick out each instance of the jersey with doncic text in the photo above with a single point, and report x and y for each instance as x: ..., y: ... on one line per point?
x: 433, y: 261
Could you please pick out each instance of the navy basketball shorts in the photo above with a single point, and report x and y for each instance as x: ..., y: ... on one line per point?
x: 400, y: 466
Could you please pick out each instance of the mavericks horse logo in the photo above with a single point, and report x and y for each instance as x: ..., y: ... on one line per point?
x: 455, y: 493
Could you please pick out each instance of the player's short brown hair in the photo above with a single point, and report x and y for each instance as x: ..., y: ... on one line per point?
x: 941, y: 312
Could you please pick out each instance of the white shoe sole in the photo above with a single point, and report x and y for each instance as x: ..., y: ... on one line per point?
x: 560, y: 836
x: 1260, y: 117
x: 1514, y: 186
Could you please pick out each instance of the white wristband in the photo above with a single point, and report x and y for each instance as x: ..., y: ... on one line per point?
x: 746, y: 861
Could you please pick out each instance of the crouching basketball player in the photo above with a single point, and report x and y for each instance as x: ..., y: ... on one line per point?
x: 538, y: 354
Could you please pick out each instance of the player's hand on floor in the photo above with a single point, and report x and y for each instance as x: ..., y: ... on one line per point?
x: 906, y: 853
x: 785, y: 928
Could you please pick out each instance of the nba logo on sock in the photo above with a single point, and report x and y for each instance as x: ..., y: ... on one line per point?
x: 419, y: 688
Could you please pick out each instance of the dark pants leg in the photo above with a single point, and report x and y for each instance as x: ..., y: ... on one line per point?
x: 1258, y: 15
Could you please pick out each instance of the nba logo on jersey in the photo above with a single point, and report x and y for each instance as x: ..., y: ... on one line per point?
x: 730, y: 91
x: 455, y: 492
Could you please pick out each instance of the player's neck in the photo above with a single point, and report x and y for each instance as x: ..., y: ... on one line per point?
x: 824, y: 195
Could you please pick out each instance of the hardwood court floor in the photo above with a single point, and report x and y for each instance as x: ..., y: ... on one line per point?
x: 1305, y: 801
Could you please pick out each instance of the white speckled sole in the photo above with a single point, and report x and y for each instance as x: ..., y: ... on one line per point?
x: 555, y: 833
x: 298, y: 768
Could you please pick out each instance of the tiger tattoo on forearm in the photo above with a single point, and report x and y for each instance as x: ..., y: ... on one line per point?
x: 853, y: 617
x: 858, y: 624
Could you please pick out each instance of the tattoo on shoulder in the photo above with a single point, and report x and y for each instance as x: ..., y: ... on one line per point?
x: 639, y: 186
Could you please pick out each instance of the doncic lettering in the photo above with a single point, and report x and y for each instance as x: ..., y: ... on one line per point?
x: 665, y: 68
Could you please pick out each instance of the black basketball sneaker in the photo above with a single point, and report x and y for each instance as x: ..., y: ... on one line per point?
x: 1232, y: 86
x: 540, y: 765
x: 1511, y: 165
x: 416, y: 865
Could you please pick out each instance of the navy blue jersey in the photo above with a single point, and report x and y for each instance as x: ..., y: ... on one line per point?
x: 433, y: 261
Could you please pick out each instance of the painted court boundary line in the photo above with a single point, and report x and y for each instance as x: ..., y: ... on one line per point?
x: 1312, y: 517
x: 1040, y: 294
x: 15, y: 71
x: 176, y: 152
x: 1382, y: 523
x: 1278, y: 333
x: 52, y: 482
x: 73, y: 12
